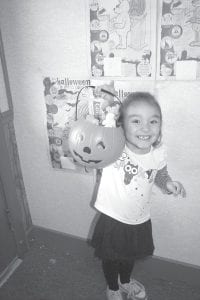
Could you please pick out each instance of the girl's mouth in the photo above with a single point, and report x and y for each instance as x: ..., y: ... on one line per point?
x: 144, y: 137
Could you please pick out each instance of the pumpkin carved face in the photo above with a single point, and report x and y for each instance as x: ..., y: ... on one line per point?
x: 95, y: 146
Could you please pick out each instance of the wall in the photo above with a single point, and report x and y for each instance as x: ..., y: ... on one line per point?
x: 42, y: 38
x: 176, y: 220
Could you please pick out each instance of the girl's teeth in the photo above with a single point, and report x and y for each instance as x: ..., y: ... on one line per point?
x: 141, y: 137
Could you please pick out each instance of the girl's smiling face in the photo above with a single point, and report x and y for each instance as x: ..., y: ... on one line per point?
x: 142, y: 126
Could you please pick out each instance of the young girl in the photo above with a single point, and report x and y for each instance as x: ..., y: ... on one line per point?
x: 123, y: 231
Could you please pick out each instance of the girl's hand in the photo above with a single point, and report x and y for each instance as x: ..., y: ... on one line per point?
x: 176, y: 188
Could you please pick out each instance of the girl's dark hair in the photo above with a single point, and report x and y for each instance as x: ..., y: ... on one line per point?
x: 137, y: 97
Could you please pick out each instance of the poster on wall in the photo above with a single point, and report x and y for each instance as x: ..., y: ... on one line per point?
x: 178, y: 37
x: 60, y: 96
x: 122, y: 39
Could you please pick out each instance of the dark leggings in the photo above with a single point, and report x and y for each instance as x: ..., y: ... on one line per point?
x: 113, y: 268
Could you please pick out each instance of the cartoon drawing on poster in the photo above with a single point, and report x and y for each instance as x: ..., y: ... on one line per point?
x: 179, y: 38
x: 60, y: 98
x: 122, y: 29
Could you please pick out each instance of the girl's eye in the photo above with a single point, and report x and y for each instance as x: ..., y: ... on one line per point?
x: 136, y: 121
x: 154, y: 122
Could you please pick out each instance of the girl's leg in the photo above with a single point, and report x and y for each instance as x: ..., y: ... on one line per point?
x: 134, y: 289
x: 111, y: 272
x: 125, y: 270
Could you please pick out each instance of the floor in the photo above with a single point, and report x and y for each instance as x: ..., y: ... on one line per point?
x: 58, y: 267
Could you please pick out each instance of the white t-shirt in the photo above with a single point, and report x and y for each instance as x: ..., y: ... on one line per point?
x: 125, y: 187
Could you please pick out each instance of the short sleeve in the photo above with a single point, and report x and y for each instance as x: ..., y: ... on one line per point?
x: 160, y: 155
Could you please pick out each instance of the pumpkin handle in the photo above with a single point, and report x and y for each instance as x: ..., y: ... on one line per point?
x: 93, y: 87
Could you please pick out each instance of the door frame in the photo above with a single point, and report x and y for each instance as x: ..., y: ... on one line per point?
x: 10, y: 169
x: 14, y: 207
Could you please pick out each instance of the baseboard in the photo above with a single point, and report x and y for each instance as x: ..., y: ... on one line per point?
x: 157, y: 267
x: 14, y: 264
x: 170, y: 270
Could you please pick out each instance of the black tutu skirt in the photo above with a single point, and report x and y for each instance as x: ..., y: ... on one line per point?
x: 115, y: 240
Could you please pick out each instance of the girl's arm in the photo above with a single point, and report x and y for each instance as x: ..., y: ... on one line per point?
x: 167, y: 185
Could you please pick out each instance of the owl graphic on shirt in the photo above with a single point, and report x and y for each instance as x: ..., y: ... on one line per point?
x: 130, y: 170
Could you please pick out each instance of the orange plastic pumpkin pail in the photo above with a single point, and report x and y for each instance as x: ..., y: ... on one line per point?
x: 94, y: 145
